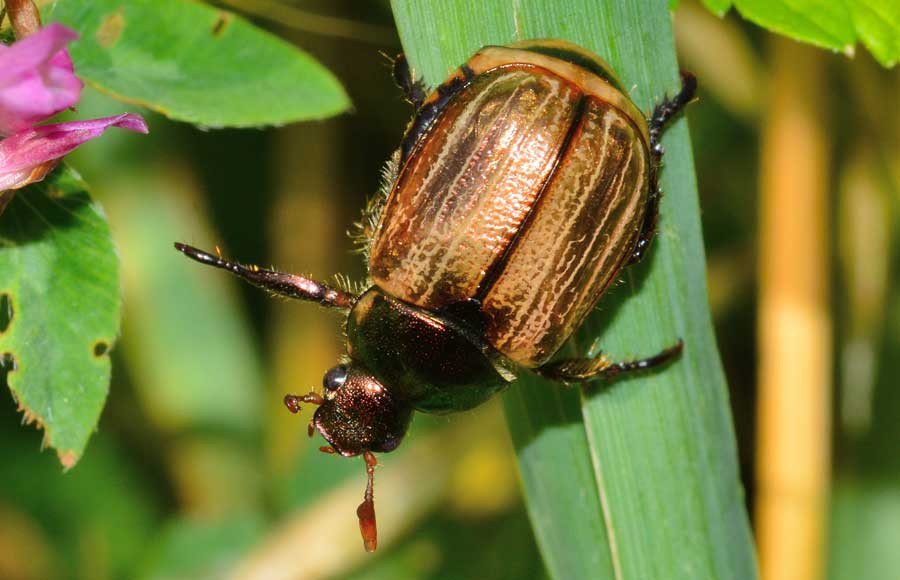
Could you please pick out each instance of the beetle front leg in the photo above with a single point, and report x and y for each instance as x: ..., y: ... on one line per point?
x: 413, y: 88
x: 584, y: 370
x: 663, y: 114
x: 415, y: 92
x: 428, y: 108
x: 282, y: 283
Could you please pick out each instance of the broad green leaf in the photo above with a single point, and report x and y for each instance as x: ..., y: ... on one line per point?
x: 643, y: 482
x: 59, y: 274
x: 195, y: 63
x: 825, y: 23
x: 834, y: 24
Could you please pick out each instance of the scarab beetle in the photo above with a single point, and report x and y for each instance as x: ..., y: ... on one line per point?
x: 524, y: 184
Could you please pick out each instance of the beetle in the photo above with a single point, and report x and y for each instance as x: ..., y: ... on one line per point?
x: 523, y: 185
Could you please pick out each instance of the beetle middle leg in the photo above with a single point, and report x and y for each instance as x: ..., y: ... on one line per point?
x: 583, y: 370
x: 662, y: 115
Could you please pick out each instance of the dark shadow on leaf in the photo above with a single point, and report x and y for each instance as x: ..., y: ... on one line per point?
x: 7, y: 365
x: 39, y: 208
x: 100, y: 348
x: 6, y: 312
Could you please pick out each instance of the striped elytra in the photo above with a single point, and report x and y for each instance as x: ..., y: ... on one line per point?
x: 527, y: 194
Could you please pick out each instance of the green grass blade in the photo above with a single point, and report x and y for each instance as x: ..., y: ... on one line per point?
x: 643, y: 481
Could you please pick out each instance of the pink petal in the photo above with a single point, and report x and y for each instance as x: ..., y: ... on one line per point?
x: 37, y: 79
x: 24, y: 152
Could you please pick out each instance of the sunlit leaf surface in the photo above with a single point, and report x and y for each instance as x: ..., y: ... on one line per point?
x: 196, y: 64
x: 834, y: 24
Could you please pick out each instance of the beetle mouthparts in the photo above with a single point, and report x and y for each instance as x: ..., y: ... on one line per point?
x: 366, y: 510
x: 292, y: 402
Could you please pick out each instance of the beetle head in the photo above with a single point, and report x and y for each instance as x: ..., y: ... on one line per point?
x: 359, y: 414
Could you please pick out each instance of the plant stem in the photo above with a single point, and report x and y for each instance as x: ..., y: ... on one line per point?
x: 794, y: 392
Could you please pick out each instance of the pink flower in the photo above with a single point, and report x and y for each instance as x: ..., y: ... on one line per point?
x: 25, y: 153
x: 36, y: 78
x: 37, y: 81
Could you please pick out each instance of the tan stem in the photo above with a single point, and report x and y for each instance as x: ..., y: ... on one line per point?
x: 795, y: 347
x: 24, y: 16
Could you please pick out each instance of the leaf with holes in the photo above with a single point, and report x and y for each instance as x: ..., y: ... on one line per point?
x: 59, y: 281
x: 195, y: 63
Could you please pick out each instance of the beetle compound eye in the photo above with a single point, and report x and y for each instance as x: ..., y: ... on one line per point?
x: 334, y: 378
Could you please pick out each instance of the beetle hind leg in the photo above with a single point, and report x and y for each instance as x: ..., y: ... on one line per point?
x: 662, y: 115
x: 584, y: 370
